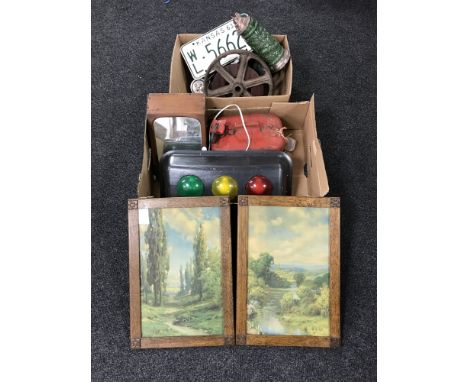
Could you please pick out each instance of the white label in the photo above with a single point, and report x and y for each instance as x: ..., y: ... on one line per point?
x: 201, y: 52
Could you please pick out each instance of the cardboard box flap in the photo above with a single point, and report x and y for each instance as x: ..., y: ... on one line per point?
x: 316, y: 170
x: 292, y: 114
x: 177, y: 76
x: 317, y: 176
x: 144, y: 178
x: 311, y: 126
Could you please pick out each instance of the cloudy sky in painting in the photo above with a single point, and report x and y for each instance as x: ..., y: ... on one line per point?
x: 292, y: 235
x: 181, y: 225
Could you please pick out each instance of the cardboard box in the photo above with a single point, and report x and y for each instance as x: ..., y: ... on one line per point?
x: 309, y: 175
x: 180, y: 78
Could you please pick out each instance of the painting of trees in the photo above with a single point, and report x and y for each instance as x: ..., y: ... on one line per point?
x: 182, y: 281
x: 180, y: 271
x: 211, y: 276
x: 299, y: 278
x: 262, y: 269
x: 158, y: 259
x: 286, y: 299
x: 322, y: 302
x: 145, y: 288
x: 188, y: 277
x: 199, y: 262
x: 262, y: 266
x: 205, y: 269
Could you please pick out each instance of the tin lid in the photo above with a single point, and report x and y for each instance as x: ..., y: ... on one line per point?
x: 197, y: 86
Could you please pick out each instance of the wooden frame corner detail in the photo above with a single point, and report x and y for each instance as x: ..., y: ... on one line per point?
x: 243, y: 200
x: 224, y: 201
x: 335, y: 202
x: 135, y: 343
x: 132, y: 204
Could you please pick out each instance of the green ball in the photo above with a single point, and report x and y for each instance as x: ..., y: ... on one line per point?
x: 190, y: 185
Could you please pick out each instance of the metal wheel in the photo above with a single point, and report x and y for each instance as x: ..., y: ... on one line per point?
x: 238, y: 86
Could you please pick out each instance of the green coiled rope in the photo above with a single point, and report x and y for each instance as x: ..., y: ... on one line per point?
x: 262, y: 42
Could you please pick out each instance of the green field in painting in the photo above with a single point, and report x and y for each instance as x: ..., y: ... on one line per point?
x: 181, y: 316
x: 288, y: 304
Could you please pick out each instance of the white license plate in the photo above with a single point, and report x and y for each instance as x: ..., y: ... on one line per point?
x: 200, y: 53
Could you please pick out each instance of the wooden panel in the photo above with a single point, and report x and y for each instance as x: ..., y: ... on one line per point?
x: 182, y: 342
x: 226, y: 282
x: 242, y: 250
x: 134, y: 271
x: 183, y: 202
x: 288, y: 340
x: 335, y: 272
x: 176, y: 104
x: 288, y: 201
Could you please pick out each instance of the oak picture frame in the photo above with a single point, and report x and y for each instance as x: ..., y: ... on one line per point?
x: 137, y: 341
x: 242, y: 335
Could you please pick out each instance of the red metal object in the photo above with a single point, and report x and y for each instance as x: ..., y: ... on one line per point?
x: 265, y: 131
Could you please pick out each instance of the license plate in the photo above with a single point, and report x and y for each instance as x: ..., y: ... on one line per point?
x: 200, y: 53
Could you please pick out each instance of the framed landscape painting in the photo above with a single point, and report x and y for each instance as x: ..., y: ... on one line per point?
x: 180, y: 272
x: 288, y: 271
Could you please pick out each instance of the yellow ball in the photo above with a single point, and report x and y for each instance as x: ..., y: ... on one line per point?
x: 224, y: 186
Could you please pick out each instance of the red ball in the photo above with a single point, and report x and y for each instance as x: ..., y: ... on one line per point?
x: 259, y: 185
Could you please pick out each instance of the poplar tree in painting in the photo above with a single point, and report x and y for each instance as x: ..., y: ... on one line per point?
x: 188, y: 277
x: 182, y: 282
x: 211, y: 275
x: 199, y: 262
x: 143, y: 279
x: 144, y: 286
x: 158, y: 259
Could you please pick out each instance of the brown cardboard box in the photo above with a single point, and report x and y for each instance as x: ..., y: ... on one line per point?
x: 309, y: 175
x: 180, y: 78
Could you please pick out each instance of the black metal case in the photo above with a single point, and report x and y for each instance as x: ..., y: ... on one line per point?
x: 241, y: 165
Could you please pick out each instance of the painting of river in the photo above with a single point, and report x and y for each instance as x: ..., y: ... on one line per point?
x: 180, y: 272
x: 288, y: 275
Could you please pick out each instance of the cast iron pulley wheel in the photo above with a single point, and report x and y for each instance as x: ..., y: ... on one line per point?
x: 238, y: 86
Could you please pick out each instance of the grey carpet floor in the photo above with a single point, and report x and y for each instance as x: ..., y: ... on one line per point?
x: 333, y: 45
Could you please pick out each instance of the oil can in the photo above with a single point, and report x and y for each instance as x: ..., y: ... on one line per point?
x: 265, y: 131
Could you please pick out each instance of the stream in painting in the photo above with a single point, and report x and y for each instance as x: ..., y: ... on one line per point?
x: 268, y: 319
